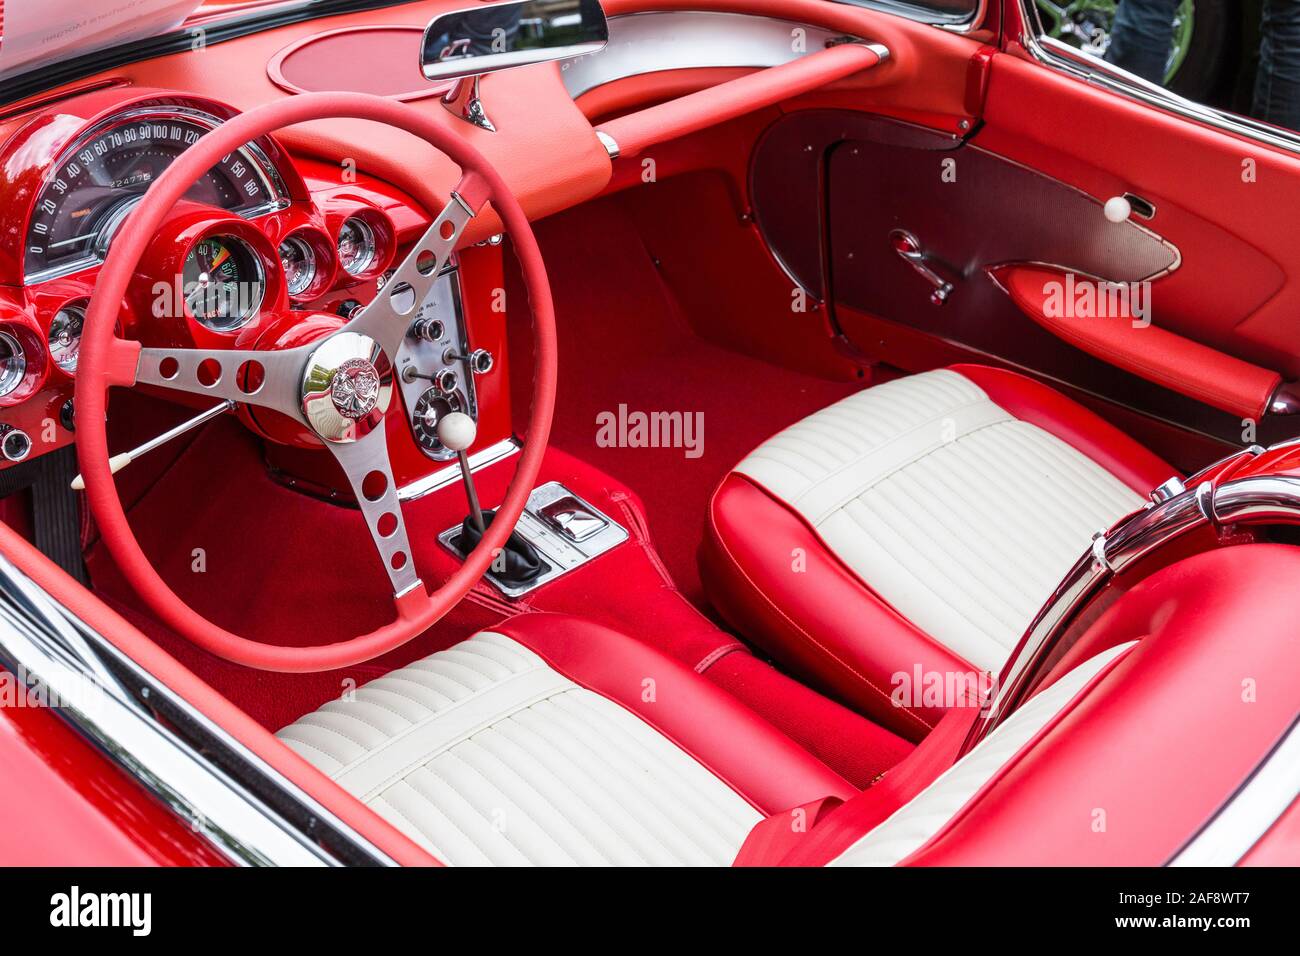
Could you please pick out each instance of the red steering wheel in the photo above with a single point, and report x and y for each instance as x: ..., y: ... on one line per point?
x: 328, y: 385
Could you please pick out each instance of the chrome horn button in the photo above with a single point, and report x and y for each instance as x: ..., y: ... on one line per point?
x: 346, y: 387
x: 355, y: 388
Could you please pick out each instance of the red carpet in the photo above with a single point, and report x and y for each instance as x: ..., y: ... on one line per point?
x: 625, y: 339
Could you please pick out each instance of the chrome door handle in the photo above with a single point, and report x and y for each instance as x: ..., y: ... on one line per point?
x: 909, y: 250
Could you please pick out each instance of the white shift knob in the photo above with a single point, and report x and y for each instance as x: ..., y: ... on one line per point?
x: 1118, y: 209
x: 456, y: 430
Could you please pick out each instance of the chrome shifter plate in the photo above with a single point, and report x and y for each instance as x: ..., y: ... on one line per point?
x: 588, y: 534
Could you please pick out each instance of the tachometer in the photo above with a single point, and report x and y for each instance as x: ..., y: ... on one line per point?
x: 100, y: 177
x: 224, y: 283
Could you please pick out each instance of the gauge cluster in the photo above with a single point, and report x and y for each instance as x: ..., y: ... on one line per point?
x: 251, y: 244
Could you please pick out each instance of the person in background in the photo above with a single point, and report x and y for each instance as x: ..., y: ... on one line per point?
x: 1144, y: 32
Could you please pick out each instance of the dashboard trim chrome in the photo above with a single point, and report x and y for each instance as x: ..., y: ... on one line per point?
x: 434, y: 481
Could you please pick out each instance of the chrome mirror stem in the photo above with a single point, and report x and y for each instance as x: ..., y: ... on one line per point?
x: 464, y: 100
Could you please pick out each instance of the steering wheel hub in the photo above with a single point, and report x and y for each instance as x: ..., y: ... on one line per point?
x: 347, y: 386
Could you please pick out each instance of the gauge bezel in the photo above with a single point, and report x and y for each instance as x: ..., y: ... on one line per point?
x: 326, y: 268
x: 368, y: 267
x: 255, y: 256
x: 309, y: 257
x: 72, y: 305
x: 10, y: 344
x: 21, y: 332
x: 272, y: 182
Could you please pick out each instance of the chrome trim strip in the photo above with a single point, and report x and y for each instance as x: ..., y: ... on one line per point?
x: 1067, y: 59
x: 1251, y: 811
x: 916, y: 11
x: 450, y: 474
x: 114, y: 703
x: 610, y: 144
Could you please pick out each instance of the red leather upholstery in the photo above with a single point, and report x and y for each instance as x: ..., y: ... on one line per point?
x: 830, y: 627
x: 827, y: 624
x: 1156, y: 354
x: 769, y: 769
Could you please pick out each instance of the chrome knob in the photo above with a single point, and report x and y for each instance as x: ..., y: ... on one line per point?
x: 1169, y: 489
x: 427, y: 330
x: 15, y: 444
x: 480, y: 361
x: 446, y: 381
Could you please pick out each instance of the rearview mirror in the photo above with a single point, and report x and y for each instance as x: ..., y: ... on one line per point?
x: 497, y: 36
x: 485, y: 38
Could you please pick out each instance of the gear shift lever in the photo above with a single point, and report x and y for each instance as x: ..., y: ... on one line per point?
x: 456, y: 431
x: 518, y: 561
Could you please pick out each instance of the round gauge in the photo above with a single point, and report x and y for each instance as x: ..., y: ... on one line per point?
x: 13, y: 364
x: 98, y: 179
x: 357, y: 249
x: 299, y: 264
x: 65, y: 336
x: 223, y: 282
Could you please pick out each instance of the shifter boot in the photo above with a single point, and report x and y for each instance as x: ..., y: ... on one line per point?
x: 522, y: 563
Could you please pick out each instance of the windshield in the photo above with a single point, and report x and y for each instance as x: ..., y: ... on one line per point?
x: 47, y: 42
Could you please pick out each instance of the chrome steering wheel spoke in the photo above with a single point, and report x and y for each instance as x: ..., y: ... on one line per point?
x: 367, y: 466
x: 266, y: 379
x: 393, y: 309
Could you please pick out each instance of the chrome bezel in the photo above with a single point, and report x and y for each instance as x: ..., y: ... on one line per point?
x: 371, y: 245
x: 254, y: 304
x: 309, y: 256
x: 65, y: 309
x: 272, y: 182
x: 12, y: 376
x: 8, y: 432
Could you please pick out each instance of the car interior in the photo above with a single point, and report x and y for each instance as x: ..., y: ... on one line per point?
x: 662, y: 418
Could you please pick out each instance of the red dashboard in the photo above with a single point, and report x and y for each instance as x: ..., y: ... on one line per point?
x: 263, y: 251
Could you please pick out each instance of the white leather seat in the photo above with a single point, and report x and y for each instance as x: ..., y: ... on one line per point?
x: 957, y: 513
x: 933, y: 515
x: 487, y: 754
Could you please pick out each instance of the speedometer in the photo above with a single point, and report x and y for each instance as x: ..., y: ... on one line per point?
x: 99, y: 178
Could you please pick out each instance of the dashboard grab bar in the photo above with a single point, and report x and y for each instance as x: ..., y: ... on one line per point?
x: 634, y: 132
